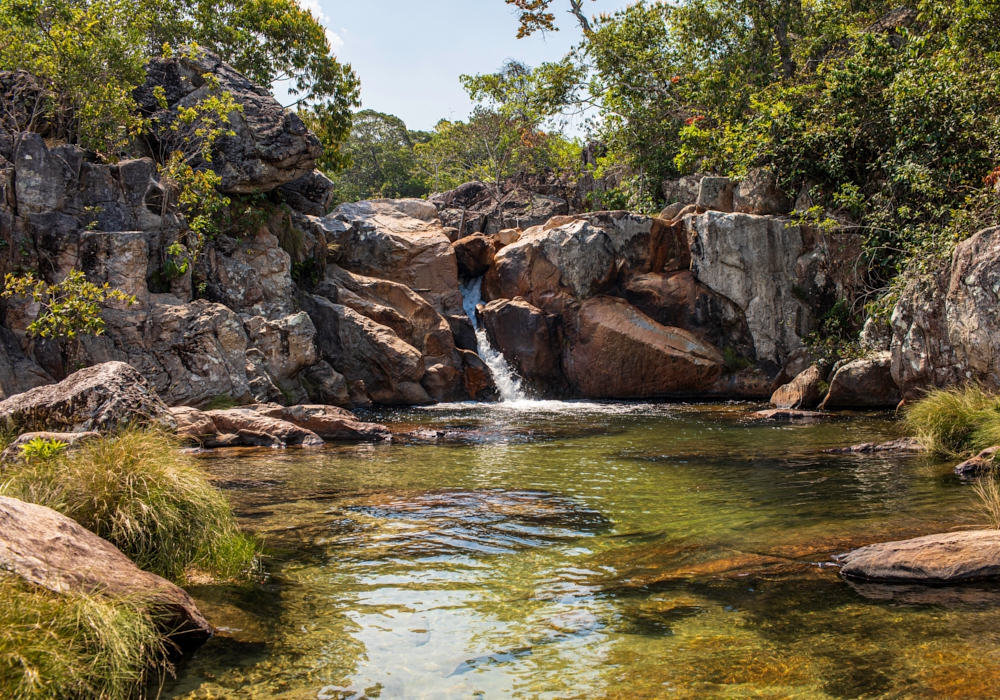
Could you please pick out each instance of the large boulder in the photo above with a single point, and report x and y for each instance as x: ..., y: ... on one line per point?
x: 474, y: 255
x: 805, y: 391
x: 759, y: 193
x: 946, y: 328
x: 390, y: 370
x: 863, y: 383
x: 524, y: 336
x: 619, y: 353
x: 400, y: 240
x: 951, y: 557
x: 271, y: 145
x: 49, y: 550
x: 103, y: 397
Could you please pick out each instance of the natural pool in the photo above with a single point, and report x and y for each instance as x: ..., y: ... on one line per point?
x: 551, y: 550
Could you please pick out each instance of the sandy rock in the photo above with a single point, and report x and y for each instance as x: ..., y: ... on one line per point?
x: 13, y: 451
x: 384, y: 239
x: 524, y: 336
x: 980, y: 464
x: 945, y: 558
x: 193, y: 424
x: 618, y: 352
x: 716, y: 194
x: 864, y: 383
x: 329, y: 422
x: 805, y: 391
x: 49, y: 550
x: 103, y: 397
x: 759, y: 193
x: 262, y: 430
x: 271, y: 145
x: 474, y: 255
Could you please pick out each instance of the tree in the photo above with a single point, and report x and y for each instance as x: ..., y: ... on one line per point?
x: 534, y: 15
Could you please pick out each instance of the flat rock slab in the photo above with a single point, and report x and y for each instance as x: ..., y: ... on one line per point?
x: 950, y: 557
x: 48, y: 549
x: 271, y: 432
x: 329, y: 422
x: 900, y: 446
x: 788, y: 414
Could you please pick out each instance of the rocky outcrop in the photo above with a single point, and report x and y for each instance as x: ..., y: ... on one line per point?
x: 474, y: 255
x: 528, y: 342
x: 946, y: 558
x: 863, y: 383
x: 759, y: 193
x: 103, y: 397
x: 49, y: 550
x: 271, y: 146
x: 621, y: 353
x: 476, y: 207
x: 946, y: 327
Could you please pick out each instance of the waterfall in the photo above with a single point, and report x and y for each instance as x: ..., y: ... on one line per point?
x: 507, y: 381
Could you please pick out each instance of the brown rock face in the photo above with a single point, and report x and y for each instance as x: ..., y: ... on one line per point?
x: 679, y: 300
x: 193, y: 424
x: 50, y: 550
x: 619, y: 352
x: 864, y: 383
x: 946, y: 558
x: 802, y: 392
x: 474, y: 255
x: 102, y: 397
x: 525, y: 338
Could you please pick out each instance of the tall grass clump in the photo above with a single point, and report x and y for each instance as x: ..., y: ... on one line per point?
x: 83, y: 647
x: 138, y: 491
x: 957, y: 421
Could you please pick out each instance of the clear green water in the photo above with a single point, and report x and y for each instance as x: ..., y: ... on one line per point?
x: 617, y: 551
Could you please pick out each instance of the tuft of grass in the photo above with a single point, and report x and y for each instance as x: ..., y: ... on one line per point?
x: 988, y: 490
x: 139, y: 492
x: 956, y: 422
x: 84, y: 647
x: 221, y: 403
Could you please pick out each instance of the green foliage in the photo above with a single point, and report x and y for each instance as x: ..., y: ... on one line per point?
x: 41, y: 449
x: 84, y: 647
x: 177, y: 263
x: 92, y: 54
x: 68, y: 308
x: 956, y: 422
x: 837, y: 336
x: 136, y: 490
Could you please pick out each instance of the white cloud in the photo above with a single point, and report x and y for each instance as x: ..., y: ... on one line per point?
x: 335, y: 41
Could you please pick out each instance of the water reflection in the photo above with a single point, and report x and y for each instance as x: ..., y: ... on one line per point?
x: 590, y: 550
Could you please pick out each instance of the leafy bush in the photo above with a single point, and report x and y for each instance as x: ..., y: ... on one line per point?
x: 139, y: 492
x: 956, y: 422
x: 84, y: 647
x: 42, y: 449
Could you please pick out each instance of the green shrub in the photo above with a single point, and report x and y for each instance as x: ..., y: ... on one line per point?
x: 957, y: 421
x: 73, y: 646
x: 139, y: 492
x: 41, y: 449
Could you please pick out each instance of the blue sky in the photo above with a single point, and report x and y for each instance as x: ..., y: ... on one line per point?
x: 409, y: 54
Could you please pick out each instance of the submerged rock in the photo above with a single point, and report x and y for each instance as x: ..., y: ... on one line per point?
x: 104, y: 397
x: 52, y: 551
x: 780, y: 414
x: 945, y: 558
x: 900, y: 446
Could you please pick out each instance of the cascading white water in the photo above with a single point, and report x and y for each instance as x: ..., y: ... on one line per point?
x: 507, y: 381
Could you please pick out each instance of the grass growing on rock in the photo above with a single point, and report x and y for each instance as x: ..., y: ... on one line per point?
x: 137, y: 490
x: 84, y: 647
x: 956, y: 422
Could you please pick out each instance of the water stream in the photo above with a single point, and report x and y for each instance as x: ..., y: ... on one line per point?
x: 507, y: 382
x: 570, y: 550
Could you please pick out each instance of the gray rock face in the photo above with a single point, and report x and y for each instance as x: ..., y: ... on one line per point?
x: 864, y: 383
x: 476, y: 207
x: 272, y: 147
x: 946, y: 558
x: 251, y: 275
x: 49, y: 550
x: 947, y: 330
x: 716, y: 194
x: 312, y: 194
x: 103, y: 397
x: 759, y: 193
x: 751, y: 260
